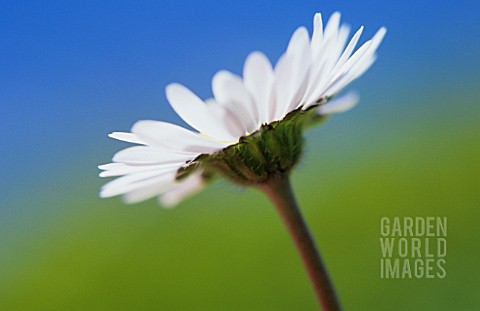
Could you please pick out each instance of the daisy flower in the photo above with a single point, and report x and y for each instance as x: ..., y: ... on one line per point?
x: 250, y: 132
x: 252, y: 128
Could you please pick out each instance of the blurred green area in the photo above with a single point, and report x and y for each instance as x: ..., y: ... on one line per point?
x: 226, y: 249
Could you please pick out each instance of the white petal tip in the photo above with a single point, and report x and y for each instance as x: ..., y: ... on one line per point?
x: 173, y: 89
x: 126, y: 137
x: 166, y: 204
x: 141, y: 124
x: 182, y: 191
x: 380, y: 34
x: 127, y: 200
x: 173, y: 85
x: 341, y: 104
x: 115, y: 135
x: 255, y: 55
x: 336, y: 15
x: 301, y: 31
x: 103, y: 195
x: 317, y: 22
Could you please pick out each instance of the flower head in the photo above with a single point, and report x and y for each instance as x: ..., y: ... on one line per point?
x: 253, y: 127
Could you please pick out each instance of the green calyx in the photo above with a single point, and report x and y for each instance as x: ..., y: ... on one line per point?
x: 273, y: 149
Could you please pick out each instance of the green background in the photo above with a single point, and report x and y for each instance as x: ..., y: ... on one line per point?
x: 226, y: 249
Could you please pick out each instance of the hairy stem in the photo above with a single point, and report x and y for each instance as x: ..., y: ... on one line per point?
x: 280, y: 192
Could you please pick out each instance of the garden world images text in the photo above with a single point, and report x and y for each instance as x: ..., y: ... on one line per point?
x: 413, y: 247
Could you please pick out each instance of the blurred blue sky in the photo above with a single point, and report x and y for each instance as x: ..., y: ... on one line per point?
x: 73, y: 71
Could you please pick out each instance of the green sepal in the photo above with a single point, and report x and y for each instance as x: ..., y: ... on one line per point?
x: 275, y: 148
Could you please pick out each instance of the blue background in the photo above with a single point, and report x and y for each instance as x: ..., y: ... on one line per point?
x: 73, y: 71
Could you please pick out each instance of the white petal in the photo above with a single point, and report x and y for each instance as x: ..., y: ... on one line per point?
x: 120, y: 169
x: 317, y: 36
x: 348, y: 50
x: 332, y: 26
x: 351, y: 75
x: 316, y: 80
x: 147, y: 192
x: 176, y: 138
x: 283, y: 76
x: 110, y: 166
x: 291, y: 72
x: 194, y: 111
x: 325, y: 47
x: 359, y: 63
x: 229, y: 91
x: 149, y: 155
x: 227, y: 118
x: 331, y: 55
x: 378, y: 38
x: 128, y: 137
x: 354, y: 59
x: 302, y: 65
x: 323, y: 72
x: 333, y: 80
x: 182, y: 190
x: 341, y: 104
x: 340, y: 43
x: 322, y: 63
x: 363, y: 55
x: 258, y: 78
x: 127, y: 183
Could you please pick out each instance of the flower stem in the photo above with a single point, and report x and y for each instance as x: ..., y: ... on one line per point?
x: 279, y: 191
